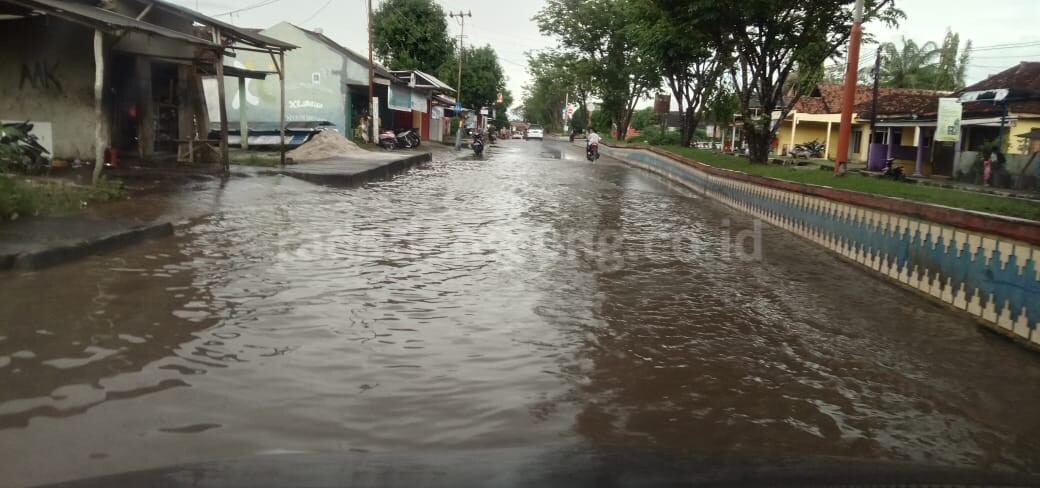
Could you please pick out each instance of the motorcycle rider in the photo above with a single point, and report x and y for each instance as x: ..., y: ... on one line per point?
x: 593, y: 138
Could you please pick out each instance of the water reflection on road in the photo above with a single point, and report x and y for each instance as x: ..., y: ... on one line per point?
x: 525, y: 299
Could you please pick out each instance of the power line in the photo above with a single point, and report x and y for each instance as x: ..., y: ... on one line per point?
x: 1005, y: 46
x: 263, y: 3
x: 316, y: 12
x: 1005, y: 56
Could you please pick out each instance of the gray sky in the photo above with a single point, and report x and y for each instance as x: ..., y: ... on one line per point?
x: 508, y: 27
x: 993, y: 23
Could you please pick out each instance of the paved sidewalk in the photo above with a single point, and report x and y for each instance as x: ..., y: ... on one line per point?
x: 36, y: 242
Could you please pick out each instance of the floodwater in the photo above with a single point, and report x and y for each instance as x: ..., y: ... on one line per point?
x: 528, y: 299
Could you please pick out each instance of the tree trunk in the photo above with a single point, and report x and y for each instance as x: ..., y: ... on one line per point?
x: 689, y: 126
x: 758, y: 139
x: 622, y: 126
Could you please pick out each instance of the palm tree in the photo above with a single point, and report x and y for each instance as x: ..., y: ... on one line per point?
x: 912, y: 66
x: 926, y: 66
x: 951, y: 68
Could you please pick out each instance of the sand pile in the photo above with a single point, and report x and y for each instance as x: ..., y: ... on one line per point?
x: 324, y: 145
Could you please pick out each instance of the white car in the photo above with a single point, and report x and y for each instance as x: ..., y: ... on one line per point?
x: 535, y: 131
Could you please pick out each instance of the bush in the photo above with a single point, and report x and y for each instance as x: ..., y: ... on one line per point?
x: 19, y: 196
x: 655, y: 137
x: 16, y: 199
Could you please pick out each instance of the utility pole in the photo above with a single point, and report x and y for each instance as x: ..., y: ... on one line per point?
x: 873, y: 103
x: 566, y: 108
x: 371, y: 82
x: 458, y: 92
x: 842, y: 158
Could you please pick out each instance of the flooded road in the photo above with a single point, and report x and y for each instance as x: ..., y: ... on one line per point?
x: 526, y: 300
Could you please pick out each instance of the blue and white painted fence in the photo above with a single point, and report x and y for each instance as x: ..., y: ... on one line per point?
x: 993, y: 278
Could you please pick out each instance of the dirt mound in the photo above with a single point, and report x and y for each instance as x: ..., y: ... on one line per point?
x: 324, y: 145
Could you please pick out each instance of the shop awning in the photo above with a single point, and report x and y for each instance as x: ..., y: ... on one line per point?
x: 106, y: 20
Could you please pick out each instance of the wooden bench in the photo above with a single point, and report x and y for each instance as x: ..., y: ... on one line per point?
x: 192, y: 150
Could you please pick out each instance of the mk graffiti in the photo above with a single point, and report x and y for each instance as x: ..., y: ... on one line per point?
x: 40, y: 75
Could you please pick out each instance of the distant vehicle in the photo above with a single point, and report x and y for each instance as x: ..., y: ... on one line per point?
x: 478, y: 143
x: 535, y: 131
x: 518, y: 135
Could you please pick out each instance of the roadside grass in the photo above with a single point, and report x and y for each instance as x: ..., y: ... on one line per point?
x: 255, y: 158
x: 21, y: 196
x: 965, y: 199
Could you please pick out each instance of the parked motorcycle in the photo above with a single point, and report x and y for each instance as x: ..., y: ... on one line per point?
x: 411, y: 136
x: 812, y: 149
x: 21, y: 149
x: 478, y: 143
x: 592, y: 151
x: 401, y: 138
x: 892, y: 171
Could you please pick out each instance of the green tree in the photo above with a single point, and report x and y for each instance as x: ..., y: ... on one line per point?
x: 600, y: 120
x: 722, y: 106
x: 594, y: 31
x: 912, y: 66
x: 772, y: 39
x: 411, y: 34
x: 482, y: 77
x: 952, y: 67
x: 580, y: 119
x: 554, y: 78
x: 927, y: 65
x: 644, y: 118
x: 691, y: 61
x: 543, y: 103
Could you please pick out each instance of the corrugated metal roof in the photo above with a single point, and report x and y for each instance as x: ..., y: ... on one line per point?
x: 427, y: 80
x: 103, y: 19
x: 237, y: 33
x: 235, y: 72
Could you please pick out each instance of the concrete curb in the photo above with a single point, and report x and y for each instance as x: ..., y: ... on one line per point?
x: 360, y: 178
x: 70, y: 252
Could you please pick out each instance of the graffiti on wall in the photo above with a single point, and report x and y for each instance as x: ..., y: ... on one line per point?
x: 40, y: 75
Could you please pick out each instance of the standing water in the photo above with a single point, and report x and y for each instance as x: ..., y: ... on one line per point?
x: 524, y: 300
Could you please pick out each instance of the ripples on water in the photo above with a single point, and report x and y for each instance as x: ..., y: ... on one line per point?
x: 509, y: 302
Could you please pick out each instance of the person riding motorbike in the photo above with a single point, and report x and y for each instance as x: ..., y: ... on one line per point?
x: 592, y: 145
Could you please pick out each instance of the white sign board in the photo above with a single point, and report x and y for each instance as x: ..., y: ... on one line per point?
x: 948, y: 123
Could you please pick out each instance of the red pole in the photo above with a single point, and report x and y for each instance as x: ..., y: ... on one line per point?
x: 849, y: 94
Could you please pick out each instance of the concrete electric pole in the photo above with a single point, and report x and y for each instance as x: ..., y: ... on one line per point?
x: 458, y: 92
x: 371, y: 82
x: 842, y: 158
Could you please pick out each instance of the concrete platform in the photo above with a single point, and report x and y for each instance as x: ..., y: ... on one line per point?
x: 349, y: 171
x: 39, y: 242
